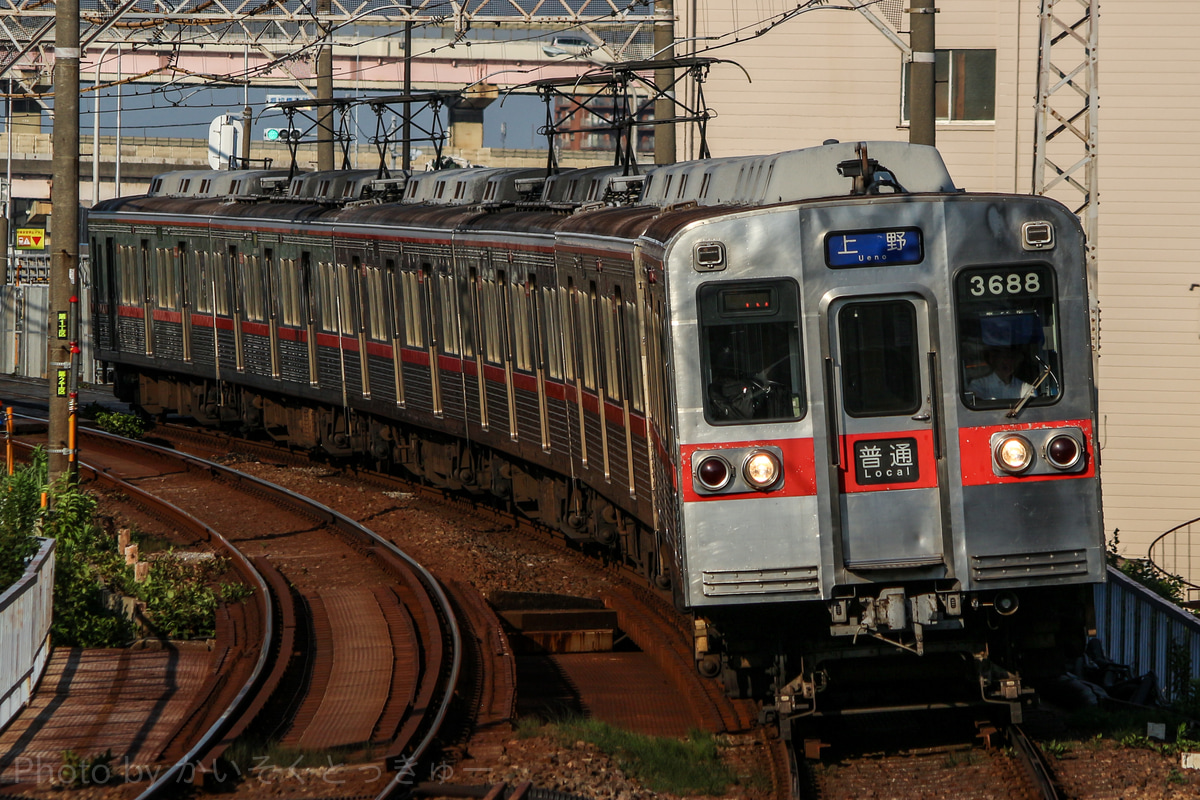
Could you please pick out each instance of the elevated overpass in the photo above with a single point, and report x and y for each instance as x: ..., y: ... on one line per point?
x: 370, y: 63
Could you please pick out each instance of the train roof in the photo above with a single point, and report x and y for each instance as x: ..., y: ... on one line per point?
x: 214, y: 183
x: 811, y: 173
x: 831, y: 170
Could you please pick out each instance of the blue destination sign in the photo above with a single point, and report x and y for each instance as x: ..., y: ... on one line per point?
x: 874, y: 248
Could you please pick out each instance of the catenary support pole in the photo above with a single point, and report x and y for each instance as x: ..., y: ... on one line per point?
x: 664, y: 107
x: 64, y: 211
x: 922, y: 107
x: 325, y: 89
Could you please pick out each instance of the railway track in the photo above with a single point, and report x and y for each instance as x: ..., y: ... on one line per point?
x: 343, y: 690
x: 648, y: 616
x: 997, y: 764
x: 642, y: 613
x: 1034, y: 764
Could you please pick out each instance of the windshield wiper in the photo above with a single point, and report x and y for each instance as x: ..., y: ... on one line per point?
x: 1030, y: 393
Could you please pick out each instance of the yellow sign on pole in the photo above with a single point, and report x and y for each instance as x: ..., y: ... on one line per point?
x: 31, y: 238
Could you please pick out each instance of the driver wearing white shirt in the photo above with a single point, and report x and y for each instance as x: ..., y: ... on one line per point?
x: 1001, y: 383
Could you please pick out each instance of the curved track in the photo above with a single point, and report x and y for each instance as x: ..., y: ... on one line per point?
x: 338, y: 690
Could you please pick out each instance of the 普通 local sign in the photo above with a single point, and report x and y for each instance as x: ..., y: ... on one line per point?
x: 31, y: 238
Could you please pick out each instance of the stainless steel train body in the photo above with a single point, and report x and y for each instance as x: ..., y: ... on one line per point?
x: 844, y: 410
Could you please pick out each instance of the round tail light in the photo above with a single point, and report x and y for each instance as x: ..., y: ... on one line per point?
x: 1063, y: 451
x: 713, y: 473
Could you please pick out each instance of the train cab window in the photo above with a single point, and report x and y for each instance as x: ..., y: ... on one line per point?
x: 879, y: 355
x: 750, y: 352
x: 1008, y: 333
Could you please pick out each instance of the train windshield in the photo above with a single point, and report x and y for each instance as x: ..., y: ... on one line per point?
x: 1008, y: 332
x: 750, y: 351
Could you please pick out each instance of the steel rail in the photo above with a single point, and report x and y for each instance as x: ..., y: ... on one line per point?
x: 220, y: 727
x: 1035, y: 763
x: 354, y: 531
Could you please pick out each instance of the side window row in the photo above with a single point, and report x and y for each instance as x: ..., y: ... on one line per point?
x: 567, y: 332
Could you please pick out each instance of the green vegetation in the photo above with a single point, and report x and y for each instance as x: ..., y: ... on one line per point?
x: 127, y: 425
x: 20, y: 496
x: 79, y: 771
x: 1145, y: 573
x: 688, y: 767
x: 1090, y: 727
x: 1055, y: 748
x: 180, y: 596
x: 1182, y: 743
x: 84, y: 557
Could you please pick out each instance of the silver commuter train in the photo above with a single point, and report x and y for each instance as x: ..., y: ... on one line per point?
x: 843, y: 410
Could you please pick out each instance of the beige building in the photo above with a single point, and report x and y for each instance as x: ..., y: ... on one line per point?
x: 830, y: 73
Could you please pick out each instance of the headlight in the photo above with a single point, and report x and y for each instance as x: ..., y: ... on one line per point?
x: 1063, y: 452
x: 761, y: 469
x: 1014, y: 454
x: 713, y: 473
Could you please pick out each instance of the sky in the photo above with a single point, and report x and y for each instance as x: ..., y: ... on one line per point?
x: 150, y: 110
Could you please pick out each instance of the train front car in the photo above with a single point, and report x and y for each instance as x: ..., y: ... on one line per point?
x: 886, y: 433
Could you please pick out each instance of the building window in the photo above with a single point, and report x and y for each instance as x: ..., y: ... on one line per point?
x: 964, y: 86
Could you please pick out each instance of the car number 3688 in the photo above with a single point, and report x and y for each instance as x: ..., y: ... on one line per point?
x: 1012, y: 283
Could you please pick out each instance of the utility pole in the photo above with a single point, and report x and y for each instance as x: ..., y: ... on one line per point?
x: 922, y: 114
x: 247, y: 112
x: 64, y: 306
x: 664, y: 107
x: 324, y: 89
x: 406, y: 130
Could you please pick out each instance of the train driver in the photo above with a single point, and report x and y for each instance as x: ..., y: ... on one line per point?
x: 1008, y: 339
x: 1002, y: 382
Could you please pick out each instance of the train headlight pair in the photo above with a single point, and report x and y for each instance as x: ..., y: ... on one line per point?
x: 759, y: 469
x: 1016, y: 454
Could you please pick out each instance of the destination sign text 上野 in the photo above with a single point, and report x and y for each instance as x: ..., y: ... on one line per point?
x: 874, y: 248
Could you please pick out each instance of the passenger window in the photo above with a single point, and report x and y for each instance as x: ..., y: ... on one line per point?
x: 1008, y: 335
x: 750, y: 352
x: 879, y: 354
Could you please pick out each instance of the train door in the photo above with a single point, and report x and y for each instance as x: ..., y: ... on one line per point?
x: 882, y: 389
x: 395, y: 310
x: 108, y: 295
x: 427, y: 288
x: 482, y: 342
x: 505, y: 288
x: 273, y: 301
x: 308, y: 314
x: 146, y: 277
x: 534, y: 313
x: 356, y: 318
x: 234, y: 281
x: 183, y: 270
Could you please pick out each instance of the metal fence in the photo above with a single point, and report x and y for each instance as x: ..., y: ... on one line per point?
x: 1140, y: 629
x: 1177, y: 553
x: 25, y: 632
x: 24, y: 319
